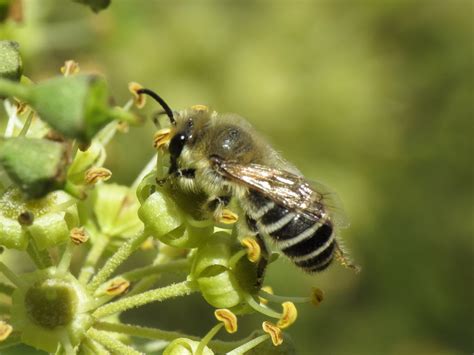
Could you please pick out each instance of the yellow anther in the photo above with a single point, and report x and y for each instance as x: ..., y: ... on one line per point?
x: 70, y: 67
x: 266, y: 289
x: 274, y: 332
x: 317, y: 296
x: 161, y: 138
x: 200, y: 108
x: 5, y: 330
x: 228, y: 318
x: 227, y: 217
x: 123, y: 127
x: 289, y: 315
x: 148, y: 244
x: 253, y: 249
x: 138, y: 99
x: 78, y: 236
x: 21, y: 107
x: 94, y: 175
x: 117, y: 287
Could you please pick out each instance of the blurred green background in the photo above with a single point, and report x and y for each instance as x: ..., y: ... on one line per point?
x: 375, y: 98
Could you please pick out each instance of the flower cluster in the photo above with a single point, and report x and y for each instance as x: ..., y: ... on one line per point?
x: 55, y: 198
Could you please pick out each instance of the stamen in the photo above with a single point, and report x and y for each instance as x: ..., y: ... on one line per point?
x: 161, y: 138
x: 253, y: 249
x: 265, y: 290
x: 78, y: 236
x: 5, y: 330
x: 70, y: 67
x: 138, y: 99
x: 317, y: 296
x: 228, y: 318
x: 227, y: 217
x: 274, y: 331
x: 289, y: 315
x: 94, y: 175
x: 117, y: 287
x: 262, y: 309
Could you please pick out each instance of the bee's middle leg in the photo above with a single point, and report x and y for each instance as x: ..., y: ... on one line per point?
x: 215, y: 205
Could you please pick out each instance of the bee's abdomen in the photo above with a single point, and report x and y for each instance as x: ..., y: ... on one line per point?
x: 308, y: 241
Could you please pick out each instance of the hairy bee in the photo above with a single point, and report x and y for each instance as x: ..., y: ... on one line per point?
x: 223, y: 157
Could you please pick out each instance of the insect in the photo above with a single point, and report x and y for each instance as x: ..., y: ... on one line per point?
x: 222, y: 156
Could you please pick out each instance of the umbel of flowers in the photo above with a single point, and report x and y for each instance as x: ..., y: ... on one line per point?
x: 55, y: 198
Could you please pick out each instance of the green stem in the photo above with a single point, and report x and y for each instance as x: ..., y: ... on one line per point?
x: 175, y: 290
x: 98, y: 247
x: 249, y: 345
x: 6, y: 289
x: 118, y: 258
x: 27, y: 124
x: 158, y: 334
x: 91, y: 347
x: 10, y: 275
x: 65, y: 261
x: 41, y: 258
x: 207, y: 338
x: 172, y: 266
x: 142, y: 332
x: 112, y: 344
x: 13, y: 339
x: 262, y: 309
x: 10, y: 88
x: 281, y: 299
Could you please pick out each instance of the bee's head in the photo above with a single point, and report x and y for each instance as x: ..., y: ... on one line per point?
x: 185, y: 125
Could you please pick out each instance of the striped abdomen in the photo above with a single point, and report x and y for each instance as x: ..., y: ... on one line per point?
x: 308, y: 241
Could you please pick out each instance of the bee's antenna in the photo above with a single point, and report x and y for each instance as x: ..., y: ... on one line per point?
x: 162, y: 103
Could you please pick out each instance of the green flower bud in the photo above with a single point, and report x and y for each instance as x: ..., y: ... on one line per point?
x: 50, y: 307
x: 76, y: 106
x: 10, y: 60
x: 223, y: 273
x: 49, y: 225
x: 37, y: 166
x: 183, y: 346
x: 115, y: 208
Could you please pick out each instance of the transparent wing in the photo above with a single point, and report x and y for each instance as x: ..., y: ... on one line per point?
x: 288, y: 189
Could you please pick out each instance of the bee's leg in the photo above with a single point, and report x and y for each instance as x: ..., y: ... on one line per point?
x: 180, y: 174
x: 344, y: 259
x: 263, y: 262
x: 216, y: 206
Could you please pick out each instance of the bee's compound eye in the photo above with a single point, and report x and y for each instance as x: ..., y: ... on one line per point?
x: 177, y: 144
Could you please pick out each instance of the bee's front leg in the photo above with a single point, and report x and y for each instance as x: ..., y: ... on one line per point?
x: 187, y: 174
x: 216, y: 206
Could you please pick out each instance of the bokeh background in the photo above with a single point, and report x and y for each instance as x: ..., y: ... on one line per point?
x: 375, y: 98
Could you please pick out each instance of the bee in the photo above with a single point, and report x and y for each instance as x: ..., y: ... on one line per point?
x: 223, y: 157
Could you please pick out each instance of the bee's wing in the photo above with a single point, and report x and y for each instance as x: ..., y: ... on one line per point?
x: 288, y: 189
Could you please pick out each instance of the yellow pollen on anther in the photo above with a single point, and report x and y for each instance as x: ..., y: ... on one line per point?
x: 5, y: 330
x: 200, y: 108
x: 253, y: 249
x: 117, y: 287
x: 290, y: 313
x: 161, y: 138
x: 78, y: 235
x: 70, y: 67
x: 274, y: 332
x: 228, y: 318
x: 227, y: 217
x: 94, y: 175
x: 267, y: 289
x: 138, y: 99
